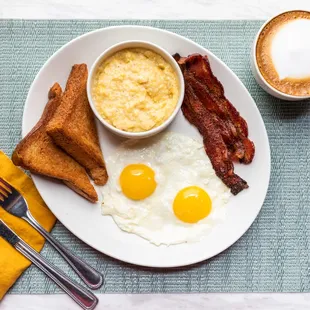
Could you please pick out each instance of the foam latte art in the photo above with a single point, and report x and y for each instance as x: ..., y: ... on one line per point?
x: 290, y: 50
x: 283, y: 53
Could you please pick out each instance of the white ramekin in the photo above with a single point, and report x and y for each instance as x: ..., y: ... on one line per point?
x: 132, y: 44
x: 259, y: 77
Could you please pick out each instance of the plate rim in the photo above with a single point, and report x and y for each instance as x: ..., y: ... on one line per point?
x: 267, y: 167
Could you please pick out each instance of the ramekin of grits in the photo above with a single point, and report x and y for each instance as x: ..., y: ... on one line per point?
x: 135, y: 89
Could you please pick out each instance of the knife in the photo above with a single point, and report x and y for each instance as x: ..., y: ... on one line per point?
x: 78, y: 293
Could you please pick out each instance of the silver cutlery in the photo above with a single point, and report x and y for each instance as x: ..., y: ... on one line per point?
x: 86, y: 299
x: 14, y: 203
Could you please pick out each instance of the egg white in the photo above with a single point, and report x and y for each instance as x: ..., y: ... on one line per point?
x: 178, y: 162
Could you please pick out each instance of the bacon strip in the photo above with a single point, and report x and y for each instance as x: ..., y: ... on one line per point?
x: 213, y: 142
x: 197, y: 72
x: 224, y: 131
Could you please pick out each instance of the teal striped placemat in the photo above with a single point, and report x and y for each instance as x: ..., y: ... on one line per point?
x: 273, y: 256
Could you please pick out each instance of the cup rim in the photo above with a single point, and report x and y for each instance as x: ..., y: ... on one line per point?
x: 159, y: 50
x: 280, y: 93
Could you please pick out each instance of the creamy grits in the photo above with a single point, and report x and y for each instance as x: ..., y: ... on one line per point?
x: 135, y: 90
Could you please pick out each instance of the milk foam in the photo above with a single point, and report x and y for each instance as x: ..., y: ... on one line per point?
x: 290, y: 49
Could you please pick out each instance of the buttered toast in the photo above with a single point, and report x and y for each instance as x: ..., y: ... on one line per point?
x: 38, y: 153
x: 73, y: 126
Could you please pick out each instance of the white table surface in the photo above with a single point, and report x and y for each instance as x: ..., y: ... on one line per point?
x: 155, y: 9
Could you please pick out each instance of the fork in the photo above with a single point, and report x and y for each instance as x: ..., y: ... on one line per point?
x: 14, y: 203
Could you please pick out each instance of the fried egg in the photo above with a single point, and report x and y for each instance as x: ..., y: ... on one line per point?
x: 164, y: 190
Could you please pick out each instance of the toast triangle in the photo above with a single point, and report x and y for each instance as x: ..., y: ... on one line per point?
x: 38, y: 154
x: 73, y: 126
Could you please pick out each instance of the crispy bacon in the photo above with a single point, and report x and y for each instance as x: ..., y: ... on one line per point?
x: 213, y: 142
x: 224, y: 131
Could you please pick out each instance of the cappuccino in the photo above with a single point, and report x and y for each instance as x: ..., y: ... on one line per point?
x: 283, y: 53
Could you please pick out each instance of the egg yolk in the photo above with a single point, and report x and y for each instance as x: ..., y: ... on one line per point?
x: 137, y: 181
x: 192, y: 204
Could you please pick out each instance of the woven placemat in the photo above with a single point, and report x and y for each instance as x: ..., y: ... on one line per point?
x: 273, y: 256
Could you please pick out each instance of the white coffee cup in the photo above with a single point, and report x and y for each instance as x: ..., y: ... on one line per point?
x: 259, y: 77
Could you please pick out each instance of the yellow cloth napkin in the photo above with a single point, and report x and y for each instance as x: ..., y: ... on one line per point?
x: 12, y: 263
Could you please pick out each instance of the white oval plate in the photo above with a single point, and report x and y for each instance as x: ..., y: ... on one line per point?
x: 100, y: 232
